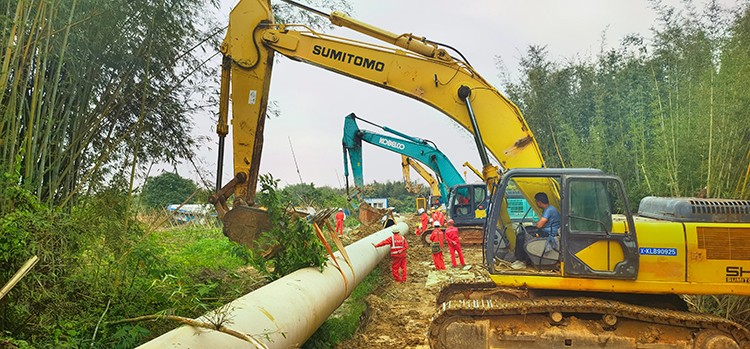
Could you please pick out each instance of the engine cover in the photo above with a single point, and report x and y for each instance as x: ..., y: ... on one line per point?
x: 695, y: 209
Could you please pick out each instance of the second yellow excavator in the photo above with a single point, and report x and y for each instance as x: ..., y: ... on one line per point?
x: 607, y: 278
x: 407, y: 164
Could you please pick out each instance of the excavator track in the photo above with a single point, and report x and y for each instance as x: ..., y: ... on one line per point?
x: 471, y: 289
x: 577, y: 323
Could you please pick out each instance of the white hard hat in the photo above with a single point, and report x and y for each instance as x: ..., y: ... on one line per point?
x: 436, y: 224
x: 341, y: 209
x: 421, y: 210
x: 395, y: 229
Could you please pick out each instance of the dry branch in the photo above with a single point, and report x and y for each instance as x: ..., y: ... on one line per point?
x: 30, y: 263
x: 191, y: 322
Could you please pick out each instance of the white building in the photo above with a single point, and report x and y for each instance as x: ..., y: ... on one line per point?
x: 377, y: 202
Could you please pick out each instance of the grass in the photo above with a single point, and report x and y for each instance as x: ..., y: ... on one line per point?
x: 196, y: 248
x: 203, y: 271
x: 200, y: 251
x: 735, y: 308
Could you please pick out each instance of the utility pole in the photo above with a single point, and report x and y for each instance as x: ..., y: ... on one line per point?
x: 337, y: 176
x: 295, y: 160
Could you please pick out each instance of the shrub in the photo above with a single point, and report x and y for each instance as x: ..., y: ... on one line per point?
x: 292, y: 238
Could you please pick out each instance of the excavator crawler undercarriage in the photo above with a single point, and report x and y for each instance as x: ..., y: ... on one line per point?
x: 564, y: 322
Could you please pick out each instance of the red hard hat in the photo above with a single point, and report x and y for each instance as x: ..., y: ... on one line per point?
x: 450, y: 221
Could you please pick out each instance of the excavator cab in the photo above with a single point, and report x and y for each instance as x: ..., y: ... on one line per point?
x: 596, y: 237
x: 435, y: 201
x: 467, y: 204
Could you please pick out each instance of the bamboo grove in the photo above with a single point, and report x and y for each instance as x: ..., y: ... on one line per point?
x: 670, y: 115
x: 95, y: 89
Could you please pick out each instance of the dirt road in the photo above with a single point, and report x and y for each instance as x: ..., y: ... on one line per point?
x: 398, y: 314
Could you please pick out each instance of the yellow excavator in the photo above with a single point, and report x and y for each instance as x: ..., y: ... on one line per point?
x: 607, y: 279
x: 407, y: 164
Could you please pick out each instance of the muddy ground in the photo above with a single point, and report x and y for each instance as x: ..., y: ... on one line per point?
x: 398, y: 314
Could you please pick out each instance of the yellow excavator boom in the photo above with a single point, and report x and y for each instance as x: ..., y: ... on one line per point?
x: 415, y: 68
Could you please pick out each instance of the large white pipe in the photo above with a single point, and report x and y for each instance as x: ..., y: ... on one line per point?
x: 286, y: 312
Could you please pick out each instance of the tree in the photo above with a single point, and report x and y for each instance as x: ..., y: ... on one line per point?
x: 97, y: 89
x: 668, y: 118
x: 167, y: 188
x: 309, y: 195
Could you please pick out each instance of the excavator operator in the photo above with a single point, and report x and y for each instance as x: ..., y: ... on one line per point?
x: 549, y: 224
x: 547, y: 227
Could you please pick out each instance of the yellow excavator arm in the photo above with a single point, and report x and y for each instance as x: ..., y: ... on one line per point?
x: 406, y: 172
x: 415, y: 67
x: 407, y: 163
x: 473, y: 169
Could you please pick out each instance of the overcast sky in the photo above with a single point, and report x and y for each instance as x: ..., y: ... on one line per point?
x: 313, y: 101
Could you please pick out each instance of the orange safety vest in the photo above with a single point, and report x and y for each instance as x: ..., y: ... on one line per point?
x: 398, y: 246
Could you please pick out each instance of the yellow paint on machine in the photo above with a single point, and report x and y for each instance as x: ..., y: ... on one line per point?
x: 705, y: 258
x: 547, y: 282
x: 654, y: 234
x: 594, y: 254
x: 718, y: 253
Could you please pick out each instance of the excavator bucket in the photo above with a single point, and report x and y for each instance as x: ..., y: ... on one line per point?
x: 244, y: 224
x: 369, y: 215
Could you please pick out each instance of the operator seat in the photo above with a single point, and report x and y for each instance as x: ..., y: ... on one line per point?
x: 542, y: 254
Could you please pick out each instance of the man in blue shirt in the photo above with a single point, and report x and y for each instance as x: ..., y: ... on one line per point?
x: 547, y: 226
x: 549, y: 223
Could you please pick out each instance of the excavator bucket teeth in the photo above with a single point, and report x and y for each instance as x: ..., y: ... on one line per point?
x: 244, y: 224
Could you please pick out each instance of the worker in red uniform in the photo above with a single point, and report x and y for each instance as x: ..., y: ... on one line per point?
x: 437, y: 237
x: 454, y: 243
x: 463, y: 200
x: 441, y: 217
x: 399, y: 245
x: 436, y: 216
x: 340, y: 222
x: 418, y: 229
x: 425, y: 219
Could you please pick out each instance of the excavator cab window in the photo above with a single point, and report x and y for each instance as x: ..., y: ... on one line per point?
x: 596, y: 234
x: 434, y: 201
x: 590, y: 207
x: 462, y: 201
x: 480, y: 194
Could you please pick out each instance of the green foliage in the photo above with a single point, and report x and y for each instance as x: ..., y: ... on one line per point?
x: 15, y: 236
x: 304, y: 195
x: 292, y: 238
x: 76, y: 109
x: 398, y: 197
x: 729, y: 307
x: 324, y: 197
x: 97, y: 257
x: 11, y: 343
x: 667, y: 118
x: 14, y: 197
x: 28, y: 228
x: 167, y: 188
x: 129, y: 336
x: 198, y: 248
